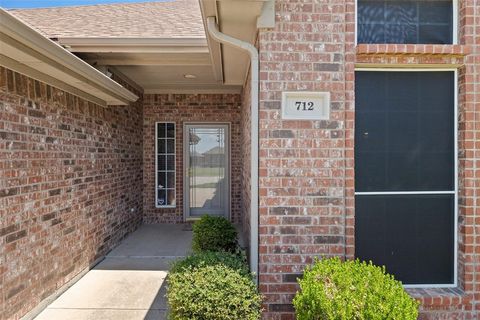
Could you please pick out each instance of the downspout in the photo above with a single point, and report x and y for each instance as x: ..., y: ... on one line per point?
x: 252, y: 51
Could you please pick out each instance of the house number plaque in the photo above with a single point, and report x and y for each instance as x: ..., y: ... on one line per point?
x: 303, y: 105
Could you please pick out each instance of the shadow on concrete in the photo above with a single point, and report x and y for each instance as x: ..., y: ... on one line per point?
x: 130, y: 282
x: 159, y: 308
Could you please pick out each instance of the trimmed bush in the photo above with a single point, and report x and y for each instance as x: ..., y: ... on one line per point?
x: 213, y: 292
x: 214, y: 234
x: 332, y: 289
x: 212, y: 258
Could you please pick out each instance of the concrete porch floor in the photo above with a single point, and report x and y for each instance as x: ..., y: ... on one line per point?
x: 129, y: 283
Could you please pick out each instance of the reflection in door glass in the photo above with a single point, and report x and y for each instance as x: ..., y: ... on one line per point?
x: 207, y: 164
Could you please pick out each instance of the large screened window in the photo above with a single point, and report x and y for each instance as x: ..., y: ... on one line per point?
x: 165, y: 164
x: 405, y: 173
x: 406, y: 21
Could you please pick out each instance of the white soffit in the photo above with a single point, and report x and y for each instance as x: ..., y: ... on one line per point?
x: 24, y: 50
x: 152, y: 77
x: 236, y: 18
x: 157, y: 65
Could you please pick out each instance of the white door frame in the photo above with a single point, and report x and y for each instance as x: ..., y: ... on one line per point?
x: 186, y: 163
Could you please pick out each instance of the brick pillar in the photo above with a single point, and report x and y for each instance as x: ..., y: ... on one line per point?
x: 467, y: 305
x: 306, y: 167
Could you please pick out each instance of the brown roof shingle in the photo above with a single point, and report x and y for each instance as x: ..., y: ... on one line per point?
x: 165, y: 19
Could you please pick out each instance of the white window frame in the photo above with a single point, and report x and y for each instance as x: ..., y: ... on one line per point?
x: 454, y: 22
x: 455, y: 191
x: 174, y: 164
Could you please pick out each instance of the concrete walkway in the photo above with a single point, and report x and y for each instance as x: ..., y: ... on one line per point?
x: 129, y: 283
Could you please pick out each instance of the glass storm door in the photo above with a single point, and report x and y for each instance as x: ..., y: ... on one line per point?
x: 207, y: 166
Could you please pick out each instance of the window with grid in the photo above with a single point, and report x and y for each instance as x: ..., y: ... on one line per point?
x: 405, y: 173
x: 405, y: 21
x: 165, y: 164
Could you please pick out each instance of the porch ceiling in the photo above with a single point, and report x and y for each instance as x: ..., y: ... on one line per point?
x: 159, y: 65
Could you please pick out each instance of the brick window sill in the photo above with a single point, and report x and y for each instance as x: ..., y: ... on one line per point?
x: 438, y: 296
x: 412, y: 49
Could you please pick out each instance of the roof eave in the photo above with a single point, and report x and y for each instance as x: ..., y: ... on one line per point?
x: 27, y: 51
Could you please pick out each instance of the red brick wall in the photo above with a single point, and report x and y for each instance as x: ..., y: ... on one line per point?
x: 70, y: 186
x: 246, y: 160
x: 181, y: 108
x: 307, y: 168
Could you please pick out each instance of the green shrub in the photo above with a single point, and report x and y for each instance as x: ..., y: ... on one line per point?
x: 211, y: 258
x: 332, y: 289
x: 214, y: 234
x: 214, y: 293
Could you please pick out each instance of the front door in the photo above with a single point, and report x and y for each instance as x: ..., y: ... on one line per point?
x: 207, y: 185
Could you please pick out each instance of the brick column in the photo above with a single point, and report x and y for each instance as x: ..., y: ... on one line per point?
x: 306, y: 167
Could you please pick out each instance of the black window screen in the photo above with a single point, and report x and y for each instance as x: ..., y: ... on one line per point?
x: 405, y: 173
x: 405, y: 21
x: 165, y: 164
x: 411, y: 235
x: 404, y: 131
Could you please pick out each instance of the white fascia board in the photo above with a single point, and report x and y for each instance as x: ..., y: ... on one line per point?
x: 16, y: 35
x: 135, y: 45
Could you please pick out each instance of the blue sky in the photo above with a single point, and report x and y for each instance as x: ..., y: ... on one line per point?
x: 56, y: 3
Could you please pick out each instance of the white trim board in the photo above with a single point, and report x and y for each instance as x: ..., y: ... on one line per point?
x: 182, y: 89
x: 376, y: 193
